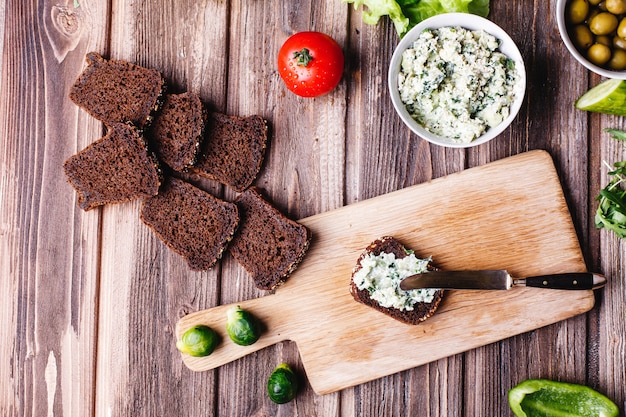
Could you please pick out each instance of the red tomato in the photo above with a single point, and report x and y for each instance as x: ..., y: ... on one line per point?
x: 310, y: 64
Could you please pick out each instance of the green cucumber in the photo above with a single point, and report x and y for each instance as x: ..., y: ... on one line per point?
x: 608, y: 97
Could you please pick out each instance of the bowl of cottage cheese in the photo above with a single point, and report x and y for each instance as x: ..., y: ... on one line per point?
x: 457, y: 80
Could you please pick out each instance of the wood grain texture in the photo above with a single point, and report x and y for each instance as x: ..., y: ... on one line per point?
x: 89, y: 301
x: 50, y: 249
x: 144, y: 286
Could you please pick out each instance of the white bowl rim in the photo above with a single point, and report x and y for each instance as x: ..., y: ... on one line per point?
x: 470, y: 22
x: 560, y: 21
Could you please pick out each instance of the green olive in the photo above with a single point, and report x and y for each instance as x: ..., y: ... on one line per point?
x: 618, y: 60
x: 603, y: 23
x: 599, y: 54
x: 616, y: 6
x: 583, y: 38
x: 602, y: 6
x: 594, y: 2
x: 621, y: 28
x: 619, y: 42
x: 577, y: 11
x: 604, y: 40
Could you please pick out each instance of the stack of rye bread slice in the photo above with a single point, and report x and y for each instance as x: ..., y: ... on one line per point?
x: 152, y: 140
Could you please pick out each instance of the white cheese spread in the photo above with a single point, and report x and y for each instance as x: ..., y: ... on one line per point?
x: 456, y: 83
x: 381, y: 276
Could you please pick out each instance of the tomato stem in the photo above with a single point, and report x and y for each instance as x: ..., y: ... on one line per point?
x: 303, y: 57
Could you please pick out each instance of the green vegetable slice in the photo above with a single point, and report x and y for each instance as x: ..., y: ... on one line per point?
x: 242, y: 327
x: 608, y: 97
x: 546, y: 398
x: 200, y: 340
x: 282, y: 384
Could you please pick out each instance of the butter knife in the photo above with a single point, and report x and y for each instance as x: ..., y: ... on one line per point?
x: 501, y: 280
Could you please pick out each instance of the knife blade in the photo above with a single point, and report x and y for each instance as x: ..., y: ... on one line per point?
x: 500, y: 279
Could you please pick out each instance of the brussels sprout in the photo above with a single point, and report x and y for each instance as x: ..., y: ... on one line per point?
x: 200, y: 340
x: 242, y: 327
x: 282, y: 384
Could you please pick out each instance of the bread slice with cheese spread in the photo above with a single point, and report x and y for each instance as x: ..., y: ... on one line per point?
x: 399, y: 304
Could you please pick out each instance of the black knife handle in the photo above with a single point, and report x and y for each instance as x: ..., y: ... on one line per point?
x: 568, y: 281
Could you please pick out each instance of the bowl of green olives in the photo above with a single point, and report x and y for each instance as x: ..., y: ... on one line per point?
x: 594, y: 31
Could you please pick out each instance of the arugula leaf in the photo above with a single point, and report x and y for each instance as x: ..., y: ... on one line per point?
x: 616, y: 198
x: 616, y: 134
x: 407, y: 13
x: 611, y: 212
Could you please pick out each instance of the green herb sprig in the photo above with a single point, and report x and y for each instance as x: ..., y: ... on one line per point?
x: 611, y: 212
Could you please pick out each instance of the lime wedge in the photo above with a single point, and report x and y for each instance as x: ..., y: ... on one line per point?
x: 608, y: 97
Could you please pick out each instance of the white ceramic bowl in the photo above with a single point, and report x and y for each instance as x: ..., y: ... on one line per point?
x: 470, y: 22
x: 560, y: 20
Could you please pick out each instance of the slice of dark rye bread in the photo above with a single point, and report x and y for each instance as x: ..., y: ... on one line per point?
x: 192, y: 222
x: 114, y: 169
x: 178, y: 130
x: 421, y: 311
x: 115, y: 91
x: 268, y: 245
x: 234, y: 149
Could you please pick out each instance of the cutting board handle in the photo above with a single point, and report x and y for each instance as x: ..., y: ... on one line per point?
x: 268, y: 309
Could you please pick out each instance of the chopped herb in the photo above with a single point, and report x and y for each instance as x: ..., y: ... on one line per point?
x: 510, y: 64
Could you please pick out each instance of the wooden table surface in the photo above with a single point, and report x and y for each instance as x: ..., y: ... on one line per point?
x: 89, y: 300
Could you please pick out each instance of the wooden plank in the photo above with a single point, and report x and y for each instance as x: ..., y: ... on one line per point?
x: 548, y: 122
x: 485, y: 380
x: 49, y: 248
x: 608, y: 349
x: 343, y: 343
x: 250, y: 90
x: 376, y: 137
x: 303, y: 173
x: 145, y: 287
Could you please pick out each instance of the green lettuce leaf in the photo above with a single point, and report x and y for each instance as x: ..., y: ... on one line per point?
x: 407, y: 13
x: 373, y: 10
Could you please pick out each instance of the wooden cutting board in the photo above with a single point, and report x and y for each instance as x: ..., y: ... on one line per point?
x: 509, y: 214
